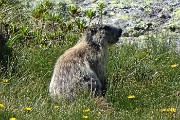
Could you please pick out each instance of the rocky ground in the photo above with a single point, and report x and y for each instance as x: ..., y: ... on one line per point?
x: 138, y: 14
x: 138, y: 17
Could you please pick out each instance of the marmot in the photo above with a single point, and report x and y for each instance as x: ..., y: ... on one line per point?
x: 83, y: 67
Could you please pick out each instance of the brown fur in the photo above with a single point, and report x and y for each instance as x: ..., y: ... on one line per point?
x: 83, y: 67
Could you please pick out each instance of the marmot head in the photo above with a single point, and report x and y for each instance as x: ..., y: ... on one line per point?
x: 102, y: 36
x: 112, y: 34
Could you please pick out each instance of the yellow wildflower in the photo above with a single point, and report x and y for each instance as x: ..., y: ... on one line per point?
x: 1, y: 106
x: 87, y: 110
x: 13, y: 118
x: 5, y: 80
x: 131, y: 97
x: 56, y: 107
x: 99, y: 113
x: 170, y: 110
x: 174, y: 65
x: 27, y: 109
x: 85, y: 117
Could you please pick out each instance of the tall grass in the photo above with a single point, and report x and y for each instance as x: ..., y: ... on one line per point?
x: 150, y: 74
x: 145, y: 73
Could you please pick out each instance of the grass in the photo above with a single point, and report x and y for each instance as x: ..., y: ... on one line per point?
x: 145, y: 73
x: 150, y: 74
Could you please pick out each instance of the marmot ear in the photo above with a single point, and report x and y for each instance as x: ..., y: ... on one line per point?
x: 91, y: 29
x: 106, y: 27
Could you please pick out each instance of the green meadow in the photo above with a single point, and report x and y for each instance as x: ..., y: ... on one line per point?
x: 143, y: 82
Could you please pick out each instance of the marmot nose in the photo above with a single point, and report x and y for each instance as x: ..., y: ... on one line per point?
x: 119, y: 32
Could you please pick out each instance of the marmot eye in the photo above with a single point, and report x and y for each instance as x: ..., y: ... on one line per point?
x: 93, y: 30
